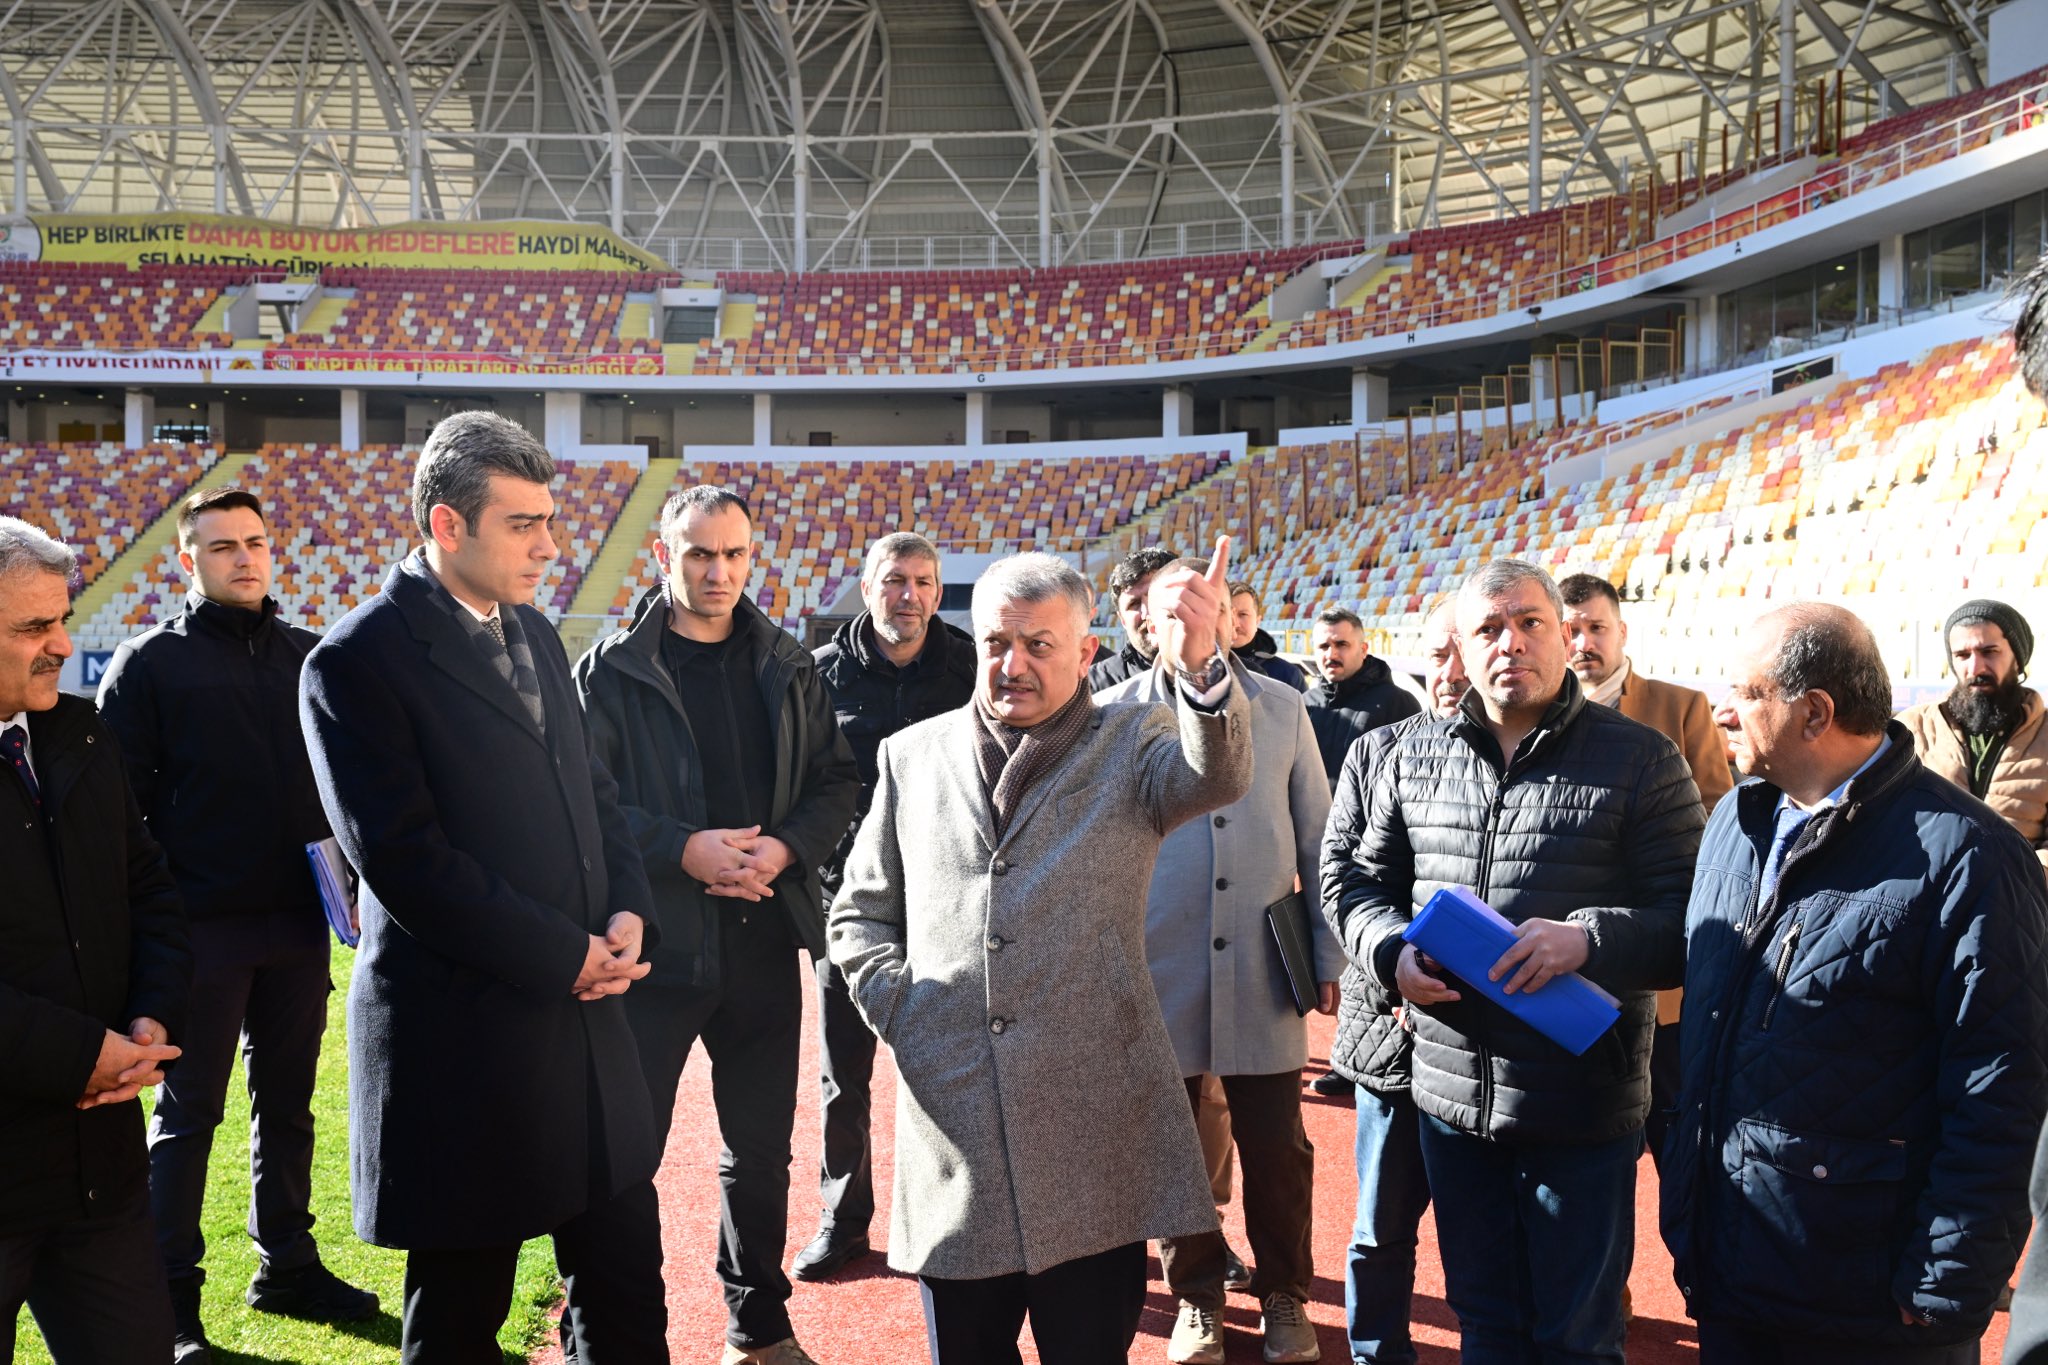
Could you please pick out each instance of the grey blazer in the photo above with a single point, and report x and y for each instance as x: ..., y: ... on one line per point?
x: 1040, y: 1114
x: 1227, y: 1007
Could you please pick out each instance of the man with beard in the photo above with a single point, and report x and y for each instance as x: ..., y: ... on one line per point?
x: 1358, y: 692
x: 891, y: 666
x: 1129, y: 583
x: 1986, y: 735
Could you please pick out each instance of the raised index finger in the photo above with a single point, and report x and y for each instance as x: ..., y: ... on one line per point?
x: 1219, y: 565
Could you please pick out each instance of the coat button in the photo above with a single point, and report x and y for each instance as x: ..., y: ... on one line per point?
x: 586, y: 864
x: 1221, y: 944
x: 1221, y: 822
x: 995, y: 1025
x: 1820, y: 1173
x: 999, y: 867
x: 1223, y: 883
x: 995, y: 943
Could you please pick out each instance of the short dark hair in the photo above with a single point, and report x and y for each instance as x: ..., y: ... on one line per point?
x: 1332, y: 616
x: 700, y: 497
x: 2030, y: 328
x: 1138, y: 564
x: 462, y: 452
x: 1580, y: 588
x: 214, y: 500
x: 1829, y: 649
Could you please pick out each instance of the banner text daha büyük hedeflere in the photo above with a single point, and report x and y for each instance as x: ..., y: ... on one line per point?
x: 213, y: 239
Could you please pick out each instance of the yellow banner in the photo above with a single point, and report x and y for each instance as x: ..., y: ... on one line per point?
x: 213, y: 239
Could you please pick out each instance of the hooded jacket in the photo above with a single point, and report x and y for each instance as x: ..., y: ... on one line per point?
x: 1364, y: 701
x: 642, y: 734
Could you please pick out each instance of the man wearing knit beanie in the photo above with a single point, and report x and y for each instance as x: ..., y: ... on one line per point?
x: 1987, y: 735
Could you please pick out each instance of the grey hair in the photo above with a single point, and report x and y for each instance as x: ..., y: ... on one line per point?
x: 707, y: 498
x: 898, y: 545
x: 23, y: 546
x: 1498, y: 577
x: 1829, y: 649
x: 1032, y: 578
x: 462, y: 452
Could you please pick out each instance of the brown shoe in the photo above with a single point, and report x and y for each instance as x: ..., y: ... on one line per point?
x: 1290, y: 1336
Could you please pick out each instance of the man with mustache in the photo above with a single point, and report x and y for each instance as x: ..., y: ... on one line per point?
x: 737, y: 785
x: 1371, y: 1050
x: 1986, y: 735
x: 891, y: 666
x: 93, y: 988
x: 1579, y: 826
x: 1130, y: 582
x: 1357, y: 693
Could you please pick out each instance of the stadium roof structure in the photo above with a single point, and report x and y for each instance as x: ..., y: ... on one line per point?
x: 905, y: 134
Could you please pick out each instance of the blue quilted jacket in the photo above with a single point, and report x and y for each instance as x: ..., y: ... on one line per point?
x: 1864, y: 1060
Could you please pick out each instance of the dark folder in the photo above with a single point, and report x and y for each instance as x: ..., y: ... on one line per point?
x: 1294, y: 935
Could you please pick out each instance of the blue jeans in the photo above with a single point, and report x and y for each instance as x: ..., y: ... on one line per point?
x: 1393, y: 1192
x: 1537, y: 1239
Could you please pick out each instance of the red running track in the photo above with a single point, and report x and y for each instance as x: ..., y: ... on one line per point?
x: 871, y: 1316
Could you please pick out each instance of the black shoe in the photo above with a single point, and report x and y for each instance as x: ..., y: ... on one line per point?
x: 311, y: 1291
x: 189, y: 1345
x: 828, y: 1254
x: 1236, y: 1275
x: 1331, y: 1086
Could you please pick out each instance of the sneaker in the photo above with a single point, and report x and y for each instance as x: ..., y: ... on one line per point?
x: 312, y: 1292
x: 783, y: 1352
x: 828, y: 1254
x: 1236, y: 1274
x: 1288, y: 1332
x: 189, y: 1345
x: 1197, y: 1337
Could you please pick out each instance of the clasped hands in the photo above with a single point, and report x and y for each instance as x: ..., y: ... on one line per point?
x: 612, y: 963
x: 1543, y: 948
x: 127, y: 1065
x: 740, y: 863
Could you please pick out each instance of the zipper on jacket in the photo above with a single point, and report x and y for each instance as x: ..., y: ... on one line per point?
x: 1493, y: 810
x: 1784, y: 970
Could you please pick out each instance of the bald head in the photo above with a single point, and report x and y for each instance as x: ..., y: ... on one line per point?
x: 1811, y: 699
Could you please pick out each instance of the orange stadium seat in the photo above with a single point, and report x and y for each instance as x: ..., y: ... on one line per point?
x: 97, y: 498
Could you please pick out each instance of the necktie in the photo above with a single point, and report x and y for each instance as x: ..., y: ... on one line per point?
x: 496, y: 627
x: 14, y: 748
x: 1790, y: 820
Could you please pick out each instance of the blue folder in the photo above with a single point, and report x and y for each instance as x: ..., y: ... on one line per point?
x: 1468, y: 936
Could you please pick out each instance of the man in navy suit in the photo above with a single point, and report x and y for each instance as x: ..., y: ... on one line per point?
x: 494, y: 1087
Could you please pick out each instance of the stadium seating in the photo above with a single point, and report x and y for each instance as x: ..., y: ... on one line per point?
x: 342, y: 519
x: 97, y: 498
x: 1909, y: 491
x: 508, y: 313
x: 49, y: 305
x: 1036, y: 319
x: 815, y: 520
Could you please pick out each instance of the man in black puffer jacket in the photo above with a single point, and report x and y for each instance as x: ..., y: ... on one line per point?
x: 1864, y: 1064
x: 1580, y: 826
x: 1371, y: 1050
x: 1358, y: 692
x: 891, y: 666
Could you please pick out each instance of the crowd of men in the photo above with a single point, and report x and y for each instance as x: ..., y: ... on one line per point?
x: 1087, y: 905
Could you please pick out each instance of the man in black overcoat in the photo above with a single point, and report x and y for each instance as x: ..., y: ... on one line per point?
x: 494, y: 1087
x: 94, y: 971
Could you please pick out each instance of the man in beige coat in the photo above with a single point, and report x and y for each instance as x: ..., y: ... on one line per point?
x: 1986, y: 735
x: 991, y: 926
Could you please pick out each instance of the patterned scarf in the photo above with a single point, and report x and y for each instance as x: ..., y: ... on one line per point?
x: 513, y: 660
x: 1011, y: 760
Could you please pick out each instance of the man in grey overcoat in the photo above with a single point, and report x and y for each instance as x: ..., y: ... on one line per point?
x: 1229, y: 1010
x: 990, y: 924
